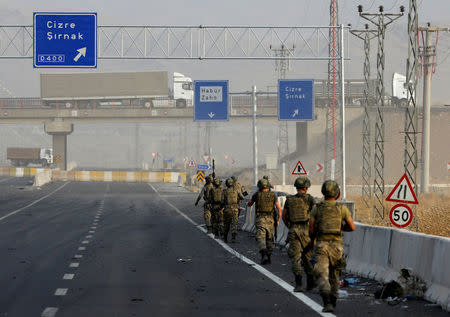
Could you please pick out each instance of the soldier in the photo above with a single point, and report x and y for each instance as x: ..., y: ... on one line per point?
x: 207, y: 205
x: 215, y: 198
x: 267, y: 178
x: 326, y: 224
x: 296, y: 215
x: 265, y: 201
x: 230, y: 202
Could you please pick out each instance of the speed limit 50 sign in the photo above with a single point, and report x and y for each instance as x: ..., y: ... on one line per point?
x: 401, y: 215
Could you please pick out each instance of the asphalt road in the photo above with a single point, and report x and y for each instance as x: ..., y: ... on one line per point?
x: 129, y: 249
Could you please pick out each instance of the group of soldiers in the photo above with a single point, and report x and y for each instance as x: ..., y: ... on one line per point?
x: 315, y: 229
x: 221, y: 207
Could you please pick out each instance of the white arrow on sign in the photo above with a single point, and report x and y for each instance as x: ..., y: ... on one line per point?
x: 211, y: 114
x: 295, y: 113
x: 81, y: 51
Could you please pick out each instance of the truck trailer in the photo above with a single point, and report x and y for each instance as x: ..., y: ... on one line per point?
x: 110, y: 90
x: 21, y: 156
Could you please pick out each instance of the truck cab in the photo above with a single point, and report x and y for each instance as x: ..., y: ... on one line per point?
x: 183, y: 90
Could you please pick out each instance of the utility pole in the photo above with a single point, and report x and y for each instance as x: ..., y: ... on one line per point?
x: 255, y: 139
x: 332, y: 142
x: 429, y: 54
x: 381, y: 20
x: 282, y: 66
x: 410, y: 161
x: 366, y: 190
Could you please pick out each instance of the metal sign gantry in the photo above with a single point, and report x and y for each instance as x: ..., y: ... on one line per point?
x: 187, y: 42
x: 201, y: 42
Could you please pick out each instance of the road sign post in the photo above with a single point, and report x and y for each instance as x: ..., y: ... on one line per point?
x: 295, y: 100
x: 65, y: 40
x: 211, y: 100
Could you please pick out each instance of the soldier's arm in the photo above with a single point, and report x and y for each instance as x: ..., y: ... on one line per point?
x: 252, y: 201
x: 284, y: 216
x: 312, y: 223
x: 349, y: 225
x: 240, y: 196
x: 277, y: 204
x: 200, y: 196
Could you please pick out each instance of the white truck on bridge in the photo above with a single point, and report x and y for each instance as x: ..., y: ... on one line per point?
x: 110, y: 90
x: 22, y: 156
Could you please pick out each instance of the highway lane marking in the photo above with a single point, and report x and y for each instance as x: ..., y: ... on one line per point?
x: 78, y: 256
x: 6, y: 179
x: 68, y: 276
x: 91, y: 231
x: 282, y: 283
x: 74, y: 264
x: 61, y: 291
x: 93, y: 227
x: 81, y: 248
x: 34, y: 202
x: 85, y: 242
x: 49, y: 312
x: 89, y: 236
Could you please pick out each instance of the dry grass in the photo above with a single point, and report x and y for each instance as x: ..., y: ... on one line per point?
x: 433, y: 214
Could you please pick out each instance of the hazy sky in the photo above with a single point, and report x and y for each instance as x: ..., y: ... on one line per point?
x: 19, y: 77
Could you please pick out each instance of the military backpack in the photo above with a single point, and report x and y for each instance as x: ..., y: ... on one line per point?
x: 298, y: 207
x: 215, y: 195
x: 265, y: 202
x: 329, y: 219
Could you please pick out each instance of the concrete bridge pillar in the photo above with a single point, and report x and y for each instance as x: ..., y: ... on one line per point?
x: 301, y: 137
x: 59, y: 129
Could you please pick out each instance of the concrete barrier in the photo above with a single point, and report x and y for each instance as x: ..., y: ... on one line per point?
x: 42, y: 178
x: 380, y: 253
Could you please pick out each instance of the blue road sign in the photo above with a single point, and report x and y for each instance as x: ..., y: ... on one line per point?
x: 203, y: 166
x: 65, y: 40
x: 211, y: 100
x: 296, y: 100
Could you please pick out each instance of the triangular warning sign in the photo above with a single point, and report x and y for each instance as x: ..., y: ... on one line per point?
x: 403, y: 192
x: 192, y: 163
x: 299, y: 169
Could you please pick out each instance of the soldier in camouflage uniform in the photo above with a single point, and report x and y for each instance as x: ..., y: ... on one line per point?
x: 230, y: 203
x: 265, y: 201
x: 296, y: 213
x: 215, y: 198
x: 326, y: 224
x: 207, y: 205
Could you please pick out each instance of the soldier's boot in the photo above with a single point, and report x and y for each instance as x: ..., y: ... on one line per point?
x: 310, y: 283
x: 327, y: 306
x: 298, y: 284
x: 233, y: 238
x: 333, y: 300
x: 269, y: 261
x: 263, y: 256
x: 209, y: 229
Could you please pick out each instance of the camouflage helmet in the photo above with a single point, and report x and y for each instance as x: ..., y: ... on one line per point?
x: 263, y: 183
x: 217, y: 181
x: 208, y: 179
x: 266, y: 177
x: 302, y: 182
x: 330, y: 188
x: 234, y: 178
x: 229, y: 182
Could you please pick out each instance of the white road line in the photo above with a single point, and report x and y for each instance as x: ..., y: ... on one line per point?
x: 89, y: 236
x: 289, y: 288
x: 49, y: 312
x: 81, y: 248
x: 61, y: 292
x: 85, y: 242
x: 74, y: 264
x: 34, y: 202
x: 93, y: 227
x: 78, y: 256
x: 6, y: 179
x: 68, y: 276
x: 91, y: 231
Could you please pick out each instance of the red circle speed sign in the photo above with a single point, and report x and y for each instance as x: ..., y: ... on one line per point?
x: 401, y: 215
